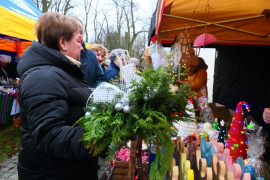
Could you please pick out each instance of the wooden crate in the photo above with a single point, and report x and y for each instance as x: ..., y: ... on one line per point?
x: 120, y: 171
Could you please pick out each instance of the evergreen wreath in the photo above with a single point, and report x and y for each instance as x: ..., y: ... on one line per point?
x: 151, y: 118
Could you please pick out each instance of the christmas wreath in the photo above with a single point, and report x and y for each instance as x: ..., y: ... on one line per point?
x: 148, y: 112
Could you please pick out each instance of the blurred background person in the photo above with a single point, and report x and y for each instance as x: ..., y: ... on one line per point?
x: 106, y: 64
x: 116, y: 57
x: 107, y: 55
x: 136, y: 62
x: 92, y: 71
x: 52, y: 95
x: 8, y: 72
x: 100, y: 52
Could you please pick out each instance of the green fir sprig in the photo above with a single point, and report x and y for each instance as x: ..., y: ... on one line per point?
x: 152, y: 105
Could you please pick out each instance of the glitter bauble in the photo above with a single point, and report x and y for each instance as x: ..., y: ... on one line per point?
x: 118, y: 106
x: 94, y: 109
x: 126, y: 109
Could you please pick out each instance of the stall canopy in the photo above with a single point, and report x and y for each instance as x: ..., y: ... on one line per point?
x: 231, y: 21
x: 17, y: 20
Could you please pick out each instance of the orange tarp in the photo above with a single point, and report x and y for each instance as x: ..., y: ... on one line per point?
x: 230, y: 21
x: 14, y: 45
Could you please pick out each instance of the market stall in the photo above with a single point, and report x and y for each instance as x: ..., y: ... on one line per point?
x: 241, y: 32
x: 17, y: 25
x: 16, y: 33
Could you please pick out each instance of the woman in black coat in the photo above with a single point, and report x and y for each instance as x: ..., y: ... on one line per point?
x: 52, y: 95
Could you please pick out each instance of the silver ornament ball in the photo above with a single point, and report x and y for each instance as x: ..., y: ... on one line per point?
x: 87, y: 114
x: 118, y: 106
x: 145, y: 98
x: 126, y: 109
x: 94, y: 109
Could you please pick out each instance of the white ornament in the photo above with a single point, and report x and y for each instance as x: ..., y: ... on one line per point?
x: 207, y: 127
x: 126, y: 109
x: 145, y: 98
x: 94, y: 109
x: 87, y: 114
x: 222, y: 123
x: 118, y: 106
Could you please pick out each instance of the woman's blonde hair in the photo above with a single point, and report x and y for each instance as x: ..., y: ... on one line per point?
x: 51, y: 26
x: 98, y: 47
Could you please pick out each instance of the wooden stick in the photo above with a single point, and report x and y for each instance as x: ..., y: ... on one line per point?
x: 205, y: 23
x: 139, y: 158
x: 132, y: 166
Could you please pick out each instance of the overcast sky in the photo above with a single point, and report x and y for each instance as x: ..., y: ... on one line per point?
x: 145, y: 9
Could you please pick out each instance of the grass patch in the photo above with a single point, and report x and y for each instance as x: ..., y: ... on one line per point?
x: 10, y: 141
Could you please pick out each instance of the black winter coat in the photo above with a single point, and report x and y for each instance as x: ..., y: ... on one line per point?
x: 52, y: 95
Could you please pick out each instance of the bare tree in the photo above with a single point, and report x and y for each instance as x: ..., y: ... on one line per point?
x: 130, y: 22
x: 139, y: 46
x: 44, y: 5
x: 61, y: 6
x: 87, y: 7
x: 119, y: 19
x: 113, y: 23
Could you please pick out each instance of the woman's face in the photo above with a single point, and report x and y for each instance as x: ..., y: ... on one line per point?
x: 119, y: 61
x: 100, y: 56
x: 73, y: 47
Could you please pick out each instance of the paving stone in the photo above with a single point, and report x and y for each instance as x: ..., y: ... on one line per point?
x: 14, y: 176
x: 6, y: 175
x: 4, y: 169
x: 8, y: 169
x: 14, y: 157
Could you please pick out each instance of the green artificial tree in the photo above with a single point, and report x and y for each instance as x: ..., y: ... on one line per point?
x: 215, y: 124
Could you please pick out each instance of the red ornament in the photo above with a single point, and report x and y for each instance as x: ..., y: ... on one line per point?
x: 237, y: 138
x: 136, y: 177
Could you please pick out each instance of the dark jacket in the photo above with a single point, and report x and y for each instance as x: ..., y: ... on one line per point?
x: 52, y: 95
x: 90, y: 67
x: 112, y: 71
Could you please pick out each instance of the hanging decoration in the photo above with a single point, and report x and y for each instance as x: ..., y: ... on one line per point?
x: 177, y: 53
x: 237, y: 139
x: 204, y: 39
x: 189, y: 56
